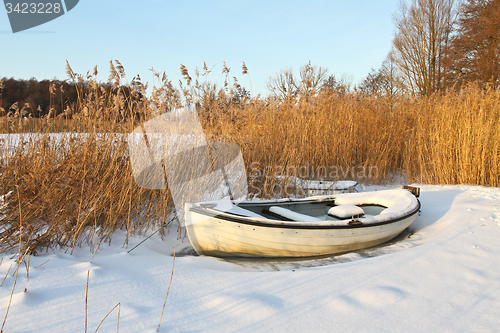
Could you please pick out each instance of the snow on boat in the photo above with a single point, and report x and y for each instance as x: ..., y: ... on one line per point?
x: 311, y: 226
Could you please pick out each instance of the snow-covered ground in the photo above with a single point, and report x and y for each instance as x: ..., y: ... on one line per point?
x: 442, y: 276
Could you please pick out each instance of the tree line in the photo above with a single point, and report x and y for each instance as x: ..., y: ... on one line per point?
x: 438, y: 45
x: 48, y: 98
x: 38, y: 96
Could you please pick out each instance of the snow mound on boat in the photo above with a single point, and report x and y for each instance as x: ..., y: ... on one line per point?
x: 345, y: 211
x: 398, y: 203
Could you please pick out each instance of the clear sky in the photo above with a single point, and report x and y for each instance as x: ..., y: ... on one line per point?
x: 346, y: 37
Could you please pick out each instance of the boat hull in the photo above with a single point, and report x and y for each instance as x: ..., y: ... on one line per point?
x: 220, y: 235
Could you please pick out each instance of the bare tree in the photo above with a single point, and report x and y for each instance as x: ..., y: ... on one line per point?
x: 386, y: 81
x: 338, y: 86
x: 475, y: 48
x: 372, y: 83
x: 311, y: 79
x: 423, y: 32
x: 283, y: 84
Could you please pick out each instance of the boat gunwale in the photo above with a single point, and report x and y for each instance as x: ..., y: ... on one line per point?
x: 262, y: 222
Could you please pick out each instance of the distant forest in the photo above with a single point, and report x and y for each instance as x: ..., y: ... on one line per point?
x: 439, y: 45
x: 42, y: 96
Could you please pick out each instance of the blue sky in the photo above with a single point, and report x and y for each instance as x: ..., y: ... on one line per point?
x: 346, y: 37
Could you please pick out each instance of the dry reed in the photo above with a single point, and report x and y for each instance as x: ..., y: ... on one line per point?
x: 86, y: 298
x: 168, y: 290
x: 21, y: 257
x: 106, y: 316
x: 69, y: 185
x: 86, y: 308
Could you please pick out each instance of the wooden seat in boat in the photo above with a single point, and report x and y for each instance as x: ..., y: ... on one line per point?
x: 290, y: 215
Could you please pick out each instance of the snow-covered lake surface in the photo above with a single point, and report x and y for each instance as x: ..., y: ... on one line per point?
x: 441, y: 276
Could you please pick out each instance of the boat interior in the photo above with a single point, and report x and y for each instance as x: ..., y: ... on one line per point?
x: 306, y: 211
x: 351, y: 208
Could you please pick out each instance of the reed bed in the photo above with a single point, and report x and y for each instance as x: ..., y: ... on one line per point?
x: 456, y: 138
x: 65, y: 190
x: 448, y: 138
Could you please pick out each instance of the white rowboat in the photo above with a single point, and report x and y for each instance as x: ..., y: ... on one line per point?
x: 311, y: 226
